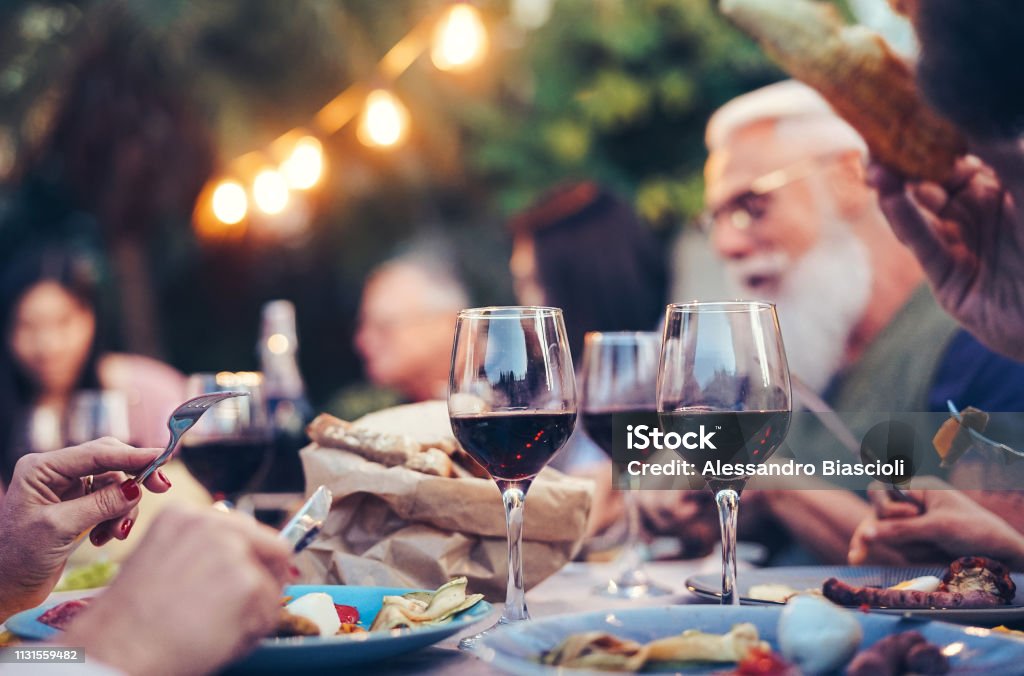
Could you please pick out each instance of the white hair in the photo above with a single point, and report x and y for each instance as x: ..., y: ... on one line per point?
x: 800, y: 115
x: 443, y: 290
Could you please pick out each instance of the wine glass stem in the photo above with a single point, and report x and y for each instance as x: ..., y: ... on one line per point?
x: 728, y: 508
x: 513, y: 494
x: 632, y: 572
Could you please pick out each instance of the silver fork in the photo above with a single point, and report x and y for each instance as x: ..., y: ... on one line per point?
x: 181, y: 421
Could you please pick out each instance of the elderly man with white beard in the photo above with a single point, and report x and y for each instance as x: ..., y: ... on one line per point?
x: 793, y: 222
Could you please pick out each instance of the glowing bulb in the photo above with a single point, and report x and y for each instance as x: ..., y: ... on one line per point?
x: 278, y: 343
x: 304, y: 167
x: 229, y: 202
x: 460, y: 39
x: 384, y: 121
x: 270, y: 191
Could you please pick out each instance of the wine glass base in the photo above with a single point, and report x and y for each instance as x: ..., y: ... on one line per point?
x: 619, y: 590
x: 471, y: 643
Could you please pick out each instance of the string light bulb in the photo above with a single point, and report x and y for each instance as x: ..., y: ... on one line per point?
x: 270, y: 191
x: 460, y: 39
x: 229, y: 202
x: 384, y: 122
x: 304, y: 166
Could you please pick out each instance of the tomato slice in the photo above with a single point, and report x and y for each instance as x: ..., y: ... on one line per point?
x: 347, y: 614
x: 759, y: 662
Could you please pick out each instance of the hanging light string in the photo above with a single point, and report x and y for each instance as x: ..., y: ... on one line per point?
x: 263, y: 180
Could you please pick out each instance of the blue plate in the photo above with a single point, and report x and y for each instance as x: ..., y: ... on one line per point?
x: 516, y: 649
x: 312, y: 652
x: 813, y: 577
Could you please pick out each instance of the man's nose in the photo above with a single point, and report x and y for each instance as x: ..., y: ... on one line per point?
x: 731, y: 243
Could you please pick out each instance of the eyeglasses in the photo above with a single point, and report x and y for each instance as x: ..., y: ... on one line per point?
x: 745, y: 210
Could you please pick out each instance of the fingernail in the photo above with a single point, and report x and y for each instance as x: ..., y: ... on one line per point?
x: 130, y: 490
x: 98, y: 538
x: 163, y: 477
x: 126, y: 527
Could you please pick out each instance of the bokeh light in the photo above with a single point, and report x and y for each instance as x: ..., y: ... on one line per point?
x: 270, y: 191
x: 229, y: 202
x: 384, y: 121
x: 304, y: 167
x: 460, y: 39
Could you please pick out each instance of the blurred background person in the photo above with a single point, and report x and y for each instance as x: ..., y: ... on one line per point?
x: 793, y: 222
x: 583, y: 249
x: 54, y: 351
x: 405, y: 331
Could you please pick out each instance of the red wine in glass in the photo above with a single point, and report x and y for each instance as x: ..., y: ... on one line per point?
x: 513, y: 445
x: 227, y: 467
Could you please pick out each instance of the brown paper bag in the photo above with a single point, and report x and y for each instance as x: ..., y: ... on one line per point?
x: 392, y: 526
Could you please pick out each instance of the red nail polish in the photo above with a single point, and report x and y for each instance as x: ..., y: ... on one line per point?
x: 126, y: 527
x: 163, y: 477
x: 98, y: 538
x: 294, y: 571
x: 131, y: 490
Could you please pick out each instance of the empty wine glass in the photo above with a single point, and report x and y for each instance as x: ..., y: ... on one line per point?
x: 512, y: 404
x: 620, y: 377
x: 98, y: 413
x: 724, y: 388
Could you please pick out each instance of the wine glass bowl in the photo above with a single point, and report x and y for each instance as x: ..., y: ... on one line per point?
x: 512, y: 406
x: 724, y: 388
x: 620, y: 377
x: 228, y: 449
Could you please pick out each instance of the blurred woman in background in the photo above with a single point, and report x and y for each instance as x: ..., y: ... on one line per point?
x: 53, y: 351
x: 581, y: 248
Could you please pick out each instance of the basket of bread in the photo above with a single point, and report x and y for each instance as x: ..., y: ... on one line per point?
x: 412, y: 509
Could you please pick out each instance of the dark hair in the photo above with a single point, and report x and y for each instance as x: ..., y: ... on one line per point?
x: 970, y: 65
x: 76, y: 275
x: 596, y: 261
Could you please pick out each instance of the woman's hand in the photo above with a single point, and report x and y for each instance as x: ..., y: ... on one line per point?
x: 952, y: 525
x: 47, y: 508
x: 201, y: 588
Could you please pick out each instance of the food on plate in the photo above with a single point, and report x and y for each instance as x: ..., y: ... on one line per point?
x: 61, y: 615
x: 969, y: 582
x: 774, y: 592
x: 817, y: 636
x: 759, y: 662
x: 289, y: 625
x: 905, y: 653
x: 870, y: 86
x: 386, y: 448
x: 423, y: 608
x: 978, y: 574
x: 954, y: 438
x: 90, y: 576
x: 316, y: 613
x: 600, y: 650
x: 318, y: 608
x: 925, y: 583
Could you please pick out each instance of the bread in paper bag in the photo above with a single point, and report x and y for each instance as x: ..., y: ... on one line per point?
x: 396, y: 526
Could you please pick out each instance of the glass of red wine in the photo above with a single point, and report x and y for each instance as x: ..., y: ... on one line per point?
x: 620, y: 377
x: 724, y: 389
x: 512, y: 404
x: 228, y: 450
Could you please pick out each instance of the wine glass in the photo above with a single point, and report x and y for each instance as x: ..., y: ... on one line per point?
x: 512, y: 404
x: 724, y: 388
x: 98, y: 413
x: 620, y: 377
x: 228, y: 450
